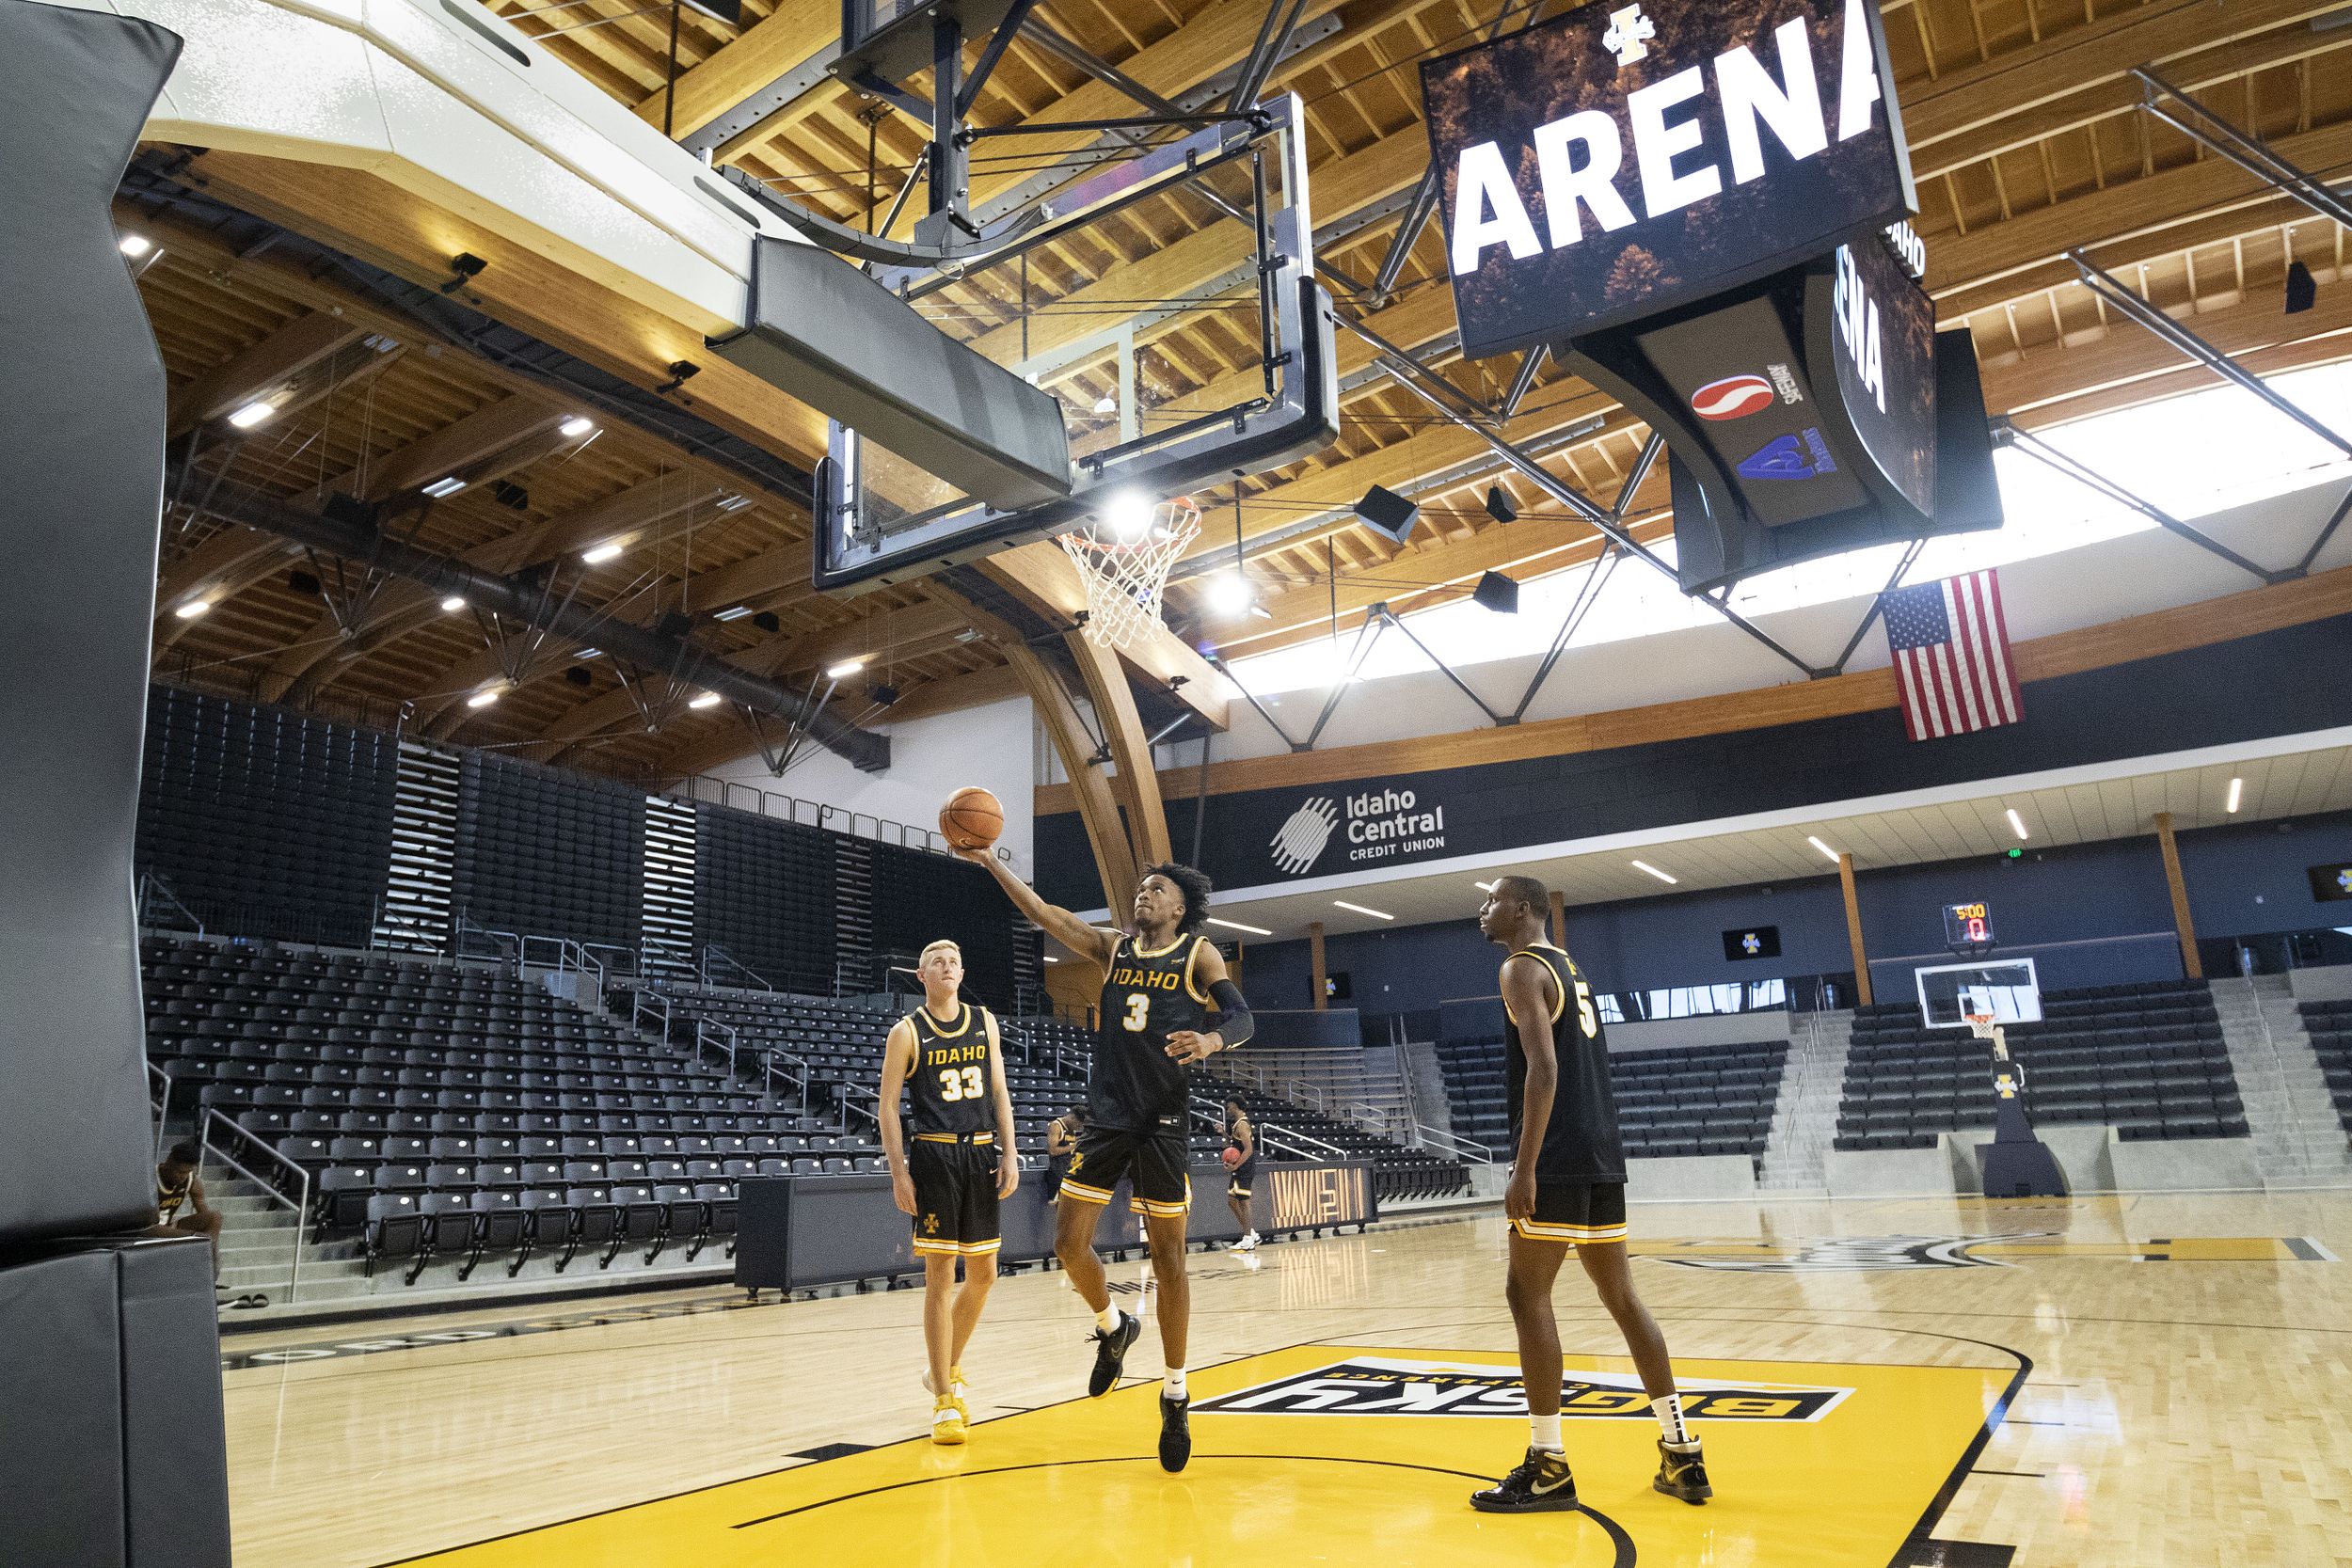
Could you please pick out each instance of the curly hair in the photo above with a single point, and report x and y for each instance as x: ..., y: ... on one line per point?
x: 1195, y: 888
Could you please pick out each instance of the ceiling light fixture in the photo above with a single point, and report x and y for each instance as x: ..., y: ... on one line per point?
x: 1107, y: 405
x: 734, y: 614
x: 589, y: 653
x: 1376, y: 914
x: 734, y: 503
x: 844, y: 670
x: 1484, y: 887
x: 708, y: 699
x: 448, y: 485
x: 1237, y: 926
x: 135, y: 246
x: 2237, y: 793
x: 191, y: 608
x: 2017, y: 823
x: 1230, y: 593
x: 601, y: 554
x: 1128, y: 515
x: 1822, y: 848
x: 1662, y: 875
x: 452, y: 605
x: 1050, y: 959
x: 575, y: 427
x: 483, y: 698
x: 252, y: 414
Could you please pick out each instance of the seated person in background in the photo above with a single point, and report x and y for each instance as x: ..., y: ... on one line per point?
x: 176, y: 1185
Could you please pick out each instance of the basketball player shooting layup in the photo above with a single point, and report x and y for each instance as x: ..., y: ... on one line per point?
x: 947, y: 1054
x: 1567, y: 1189
x: 1167, y: 1003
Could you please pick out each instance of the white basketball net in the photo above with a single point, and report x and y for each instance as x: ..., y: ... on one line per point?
x: 1982, y: 1025
x: 1124, y: 576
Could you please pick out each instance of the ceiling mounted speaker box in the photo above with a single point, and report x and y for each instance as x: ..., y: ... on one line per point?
x: 675, y: 624
x: 1498, y: 594
x: 1499, y: 505
x: 2302, y: 289
x: 1388, y: 513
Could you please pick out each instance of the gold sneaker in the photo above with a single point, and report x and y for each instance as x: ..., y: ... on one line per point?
x: 950, y: 1425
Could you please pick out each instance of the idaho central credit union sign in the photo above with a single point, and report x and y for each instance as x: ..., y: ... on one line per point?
x: 1624, y: 159
x: 1369, y: 827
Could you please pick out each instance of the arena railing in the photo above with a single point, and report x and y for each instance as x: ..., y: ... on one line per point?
x: 263, y: 1154
x: 1451, y: 1144
x: 153, y: 890
x: 713, y: 954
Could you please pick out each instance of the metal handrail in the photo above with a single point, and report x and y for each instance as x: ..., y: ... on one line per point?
x: 711, y: 950
x: 462, y: 926
x: 1426, y: 1136
x: 152, y: 887
x: 728, y: 1038
x: 1274, y: 1134
x: 161, y: 1079
x: 301, y: 1205
x: 642, y: 1001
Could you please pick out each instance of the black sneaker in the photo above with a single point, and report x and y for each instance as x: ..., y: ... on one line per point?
x: 1175, y: 1432
x: 1682, y: 1475
x: 1540, y: 1484
x: 1110, y: 1354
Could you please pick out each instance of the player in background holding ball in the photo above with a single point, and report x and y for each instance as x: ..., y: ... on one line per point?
x: 1241, y: 1165
x: 1167, y: 1003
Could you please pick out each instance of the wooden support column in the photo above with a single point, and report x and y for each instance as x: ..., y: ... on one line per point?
x: 1559, y: 919
x: 1137, y: 785
x: 1314, y: 960
x: 1097, y: 808
x: 2191, y: 965
x: 1854, y: 930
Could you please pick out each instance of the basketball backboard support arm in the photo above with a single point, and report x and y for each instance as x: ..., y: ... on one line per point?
x: 862, y: 545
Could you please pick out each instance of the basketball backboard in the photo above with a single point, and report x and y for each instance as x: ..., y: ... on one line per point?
x: 1208, y: 357
x: 2006, y: 989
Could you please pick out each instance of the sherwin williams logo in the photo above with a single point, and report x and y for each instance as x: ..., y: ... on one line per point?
x: 1300, y: 842
x: 1385, y: 1386
x: 1732, y: 397
x: 1789, y: 457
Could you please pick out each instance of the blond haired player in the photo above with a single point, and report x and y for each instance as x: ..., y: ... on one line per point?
x: 946, y: 1055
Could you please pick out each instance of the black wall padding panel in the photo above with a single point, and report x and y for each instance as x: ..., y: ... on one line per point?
x: 764, y: 891
x: 264, y: 822
x: 81, y: 491
x: 548, y: 853
x: 110, y: 1409
x: 920, y: 897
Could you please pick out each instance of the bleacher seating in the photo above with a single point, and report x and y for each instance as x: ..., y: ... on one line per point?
x: 1399, y: 1172
x: 1700, y: 1100
x: 443, y: 1109
x: 2148, y: 1059
x: 2329, y: 1026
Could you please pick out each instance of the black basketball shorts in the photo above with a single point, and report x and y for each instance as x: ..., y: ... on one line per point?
x: 1153, y: 1164
x: 1573, y: 1212
x: 955, y: 1197
x: 1238, y: 1183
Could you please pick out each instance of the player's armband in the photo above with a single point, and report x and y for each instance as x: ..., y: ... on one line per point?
x: 1234, y: 1024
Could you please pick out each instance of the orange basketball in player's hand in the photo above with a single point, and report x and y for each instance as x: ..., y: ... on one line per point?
x: 1233, y: 1156
x: 971, y: 818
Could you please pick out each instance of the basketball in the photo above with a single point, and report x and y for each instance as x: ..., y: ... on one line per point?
x: 971, y: 818
x: 1231, y: 1156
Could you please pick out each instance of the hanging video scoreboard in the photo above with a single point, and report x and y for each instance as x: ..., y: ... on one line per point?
x: 1701, y: 208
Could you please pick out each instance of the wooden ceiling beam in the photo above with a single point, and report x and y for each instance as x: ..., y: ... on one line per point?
x: 795, y: 30
x: 268, y: 366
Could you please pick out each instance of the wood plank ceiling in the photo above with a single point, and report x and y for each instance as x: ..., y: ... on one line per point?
x: 2022, y: 134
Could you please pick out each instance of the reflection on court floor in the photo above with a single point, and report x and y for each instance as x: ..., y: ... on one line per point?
x: 1354, y: 1454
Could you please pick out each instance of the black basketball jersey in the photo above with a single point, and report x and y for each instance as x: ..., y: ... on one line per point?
x: 1581, y: 1142
x: 169, y: 1195
x: 1133, y: 1084
x: 949, y: 1086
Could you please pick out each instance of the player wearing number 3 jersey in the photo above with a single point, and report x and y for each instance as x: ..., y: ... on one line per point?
x: 1167, y: 1003
x: 961, y: 1163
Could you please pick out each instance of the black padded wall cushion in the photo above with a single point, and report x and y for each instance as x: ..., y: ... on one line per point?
x: 61, y: 1404
x: 81, y: 493
x: 175, y: 1456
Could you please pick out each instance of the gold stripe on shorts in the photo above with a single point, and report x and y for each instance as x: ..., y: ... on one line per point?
x: 1083, y: 1192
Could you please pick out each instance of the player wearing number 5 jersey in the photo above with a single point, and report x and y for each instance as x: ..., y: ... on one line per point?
x: 961, y: 1163
x: 1167, y: 1003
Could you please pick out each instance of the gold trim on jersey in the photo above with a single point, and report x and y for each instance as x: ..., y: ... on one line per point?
x: 1559, y: 1002
x: 1191, y: 959
x: 1143, y: 952
x: 1083, y: 1192
x: 955, y: 1137
x: 939, y: 1030
x: 1536, y: 1230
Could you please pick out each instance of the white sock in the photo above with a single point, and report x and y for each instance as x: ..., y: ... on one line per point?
x: 1669, y: 1411
x: 1543, y: 1432
x: 1172, y: 1382
x: 1107, y: 1319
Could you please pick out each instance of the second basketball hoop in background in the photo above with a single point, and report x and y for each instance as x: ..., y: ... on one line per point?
x: 1123, y: 554
x: 971, y: 818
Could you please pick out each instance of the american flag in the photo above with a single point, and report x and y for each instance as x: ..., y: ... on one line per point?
x: 1950, y: 649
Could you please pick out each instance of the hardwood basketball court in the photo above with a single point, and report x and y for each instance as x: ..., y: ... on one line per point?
x: 2095, y: 1381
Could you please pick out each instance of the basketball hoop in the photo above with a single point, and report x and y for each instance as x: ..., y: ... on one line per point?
x: 1125, y: 570
x: 1982, y: 1026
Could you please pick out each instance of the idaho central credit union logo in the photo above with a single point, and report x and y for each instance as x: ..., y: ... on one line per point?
x: 1732, y: 397
x: 1382, y: 825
